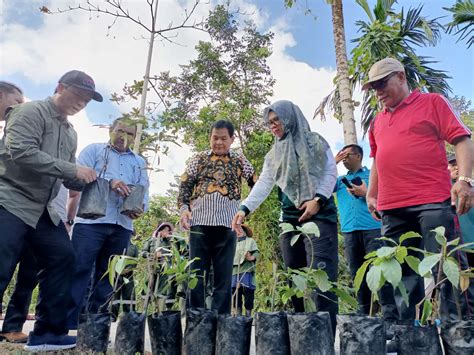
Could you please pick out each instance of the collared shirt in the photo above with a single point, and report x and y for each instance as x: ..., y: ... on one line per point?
x: 126, y: 166
x: 211, y: 187
x: 408, y: 145
x: 353, y: 212
x: 36, y: 153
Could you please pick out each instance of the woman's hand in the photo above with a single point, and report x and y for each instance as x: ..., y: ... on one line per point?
x: 310, y: 208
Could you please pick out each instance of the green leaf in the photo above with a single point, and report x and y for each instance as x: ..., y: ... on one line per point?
x: 294, y: 239
x: 425, y: 266
x: 345, y: 296
x: 372, y: 254
x: 454, y: 242
x: 373, y: 278
x: 401, y: 254
x: 464, y: 247
x: 392, y: 271
x: 111, y: 270
x: 388, y: 240
x: 299, y: 281
x: 386, y: 251
x: 451, y: 270
x: 408, y: 235
x: 360, y: 275
x: 413, y: 262
x: 403, y: 292
x: 309, y: 228
x: 286, y: 227
x: 322, y: 280
x: 427, y: 310
x: 418, y: 250
x: 193, y: 283
x: 439, y: 235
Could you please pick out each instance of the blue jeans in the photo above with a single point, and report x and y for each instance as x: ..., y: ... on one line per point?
x: 52, y: 250
x: 93, y: 245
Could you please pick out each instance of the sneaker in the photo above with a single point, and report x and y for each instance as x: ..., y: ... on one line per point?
x: 49, y: 342
x: 15, y: 337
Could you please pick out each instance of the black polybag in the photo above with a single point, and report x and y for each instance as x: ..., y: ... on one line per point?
x: 310, y: 333
x: 94, y: 198
x: 233, y: 335
x: 458, y: 337
x: 361, y: 335
x: 271, y: 334
x: 93, y: 332
x: 130, y: 336
x: 417, y: 340
x: 165, y: 333
x: 133, y: 203
x: 200, y: 333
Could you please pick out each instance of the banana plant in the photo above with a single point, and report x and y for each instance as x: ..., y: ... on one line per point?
x: 385, y: 264
x: 448, y: 270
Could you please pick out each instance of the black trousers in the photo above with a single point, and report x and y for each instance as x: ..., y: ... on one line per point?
x: 423, y: 219
x: 53, y: 252
x: 213, y: 245
x: 19, y: 303
x: 245, y: 297
x: 323, y: 252
x: 356, y: 245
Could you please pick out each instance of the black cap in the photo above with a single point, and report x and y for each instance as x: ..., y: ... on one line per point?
x: 81, y: 80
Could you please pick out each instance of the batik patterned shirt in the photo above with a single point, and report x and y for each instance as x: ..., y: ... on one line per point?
x: 211, y: 187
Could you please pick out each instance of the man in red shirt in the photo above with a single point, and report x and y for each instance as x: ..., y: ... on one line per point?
x: 409, y: 182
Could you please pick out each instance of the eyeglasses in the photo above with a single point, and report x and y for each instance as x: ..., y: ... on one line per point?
x: 382, y: 83
x: 273, y: 122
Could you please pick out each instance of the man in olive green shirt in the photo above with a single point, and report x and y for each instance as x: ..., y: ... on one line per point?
x: 37, y: 154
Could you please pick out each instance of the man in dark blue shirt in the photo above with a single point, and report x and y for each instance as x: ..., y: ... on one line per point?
x: 359, y: 228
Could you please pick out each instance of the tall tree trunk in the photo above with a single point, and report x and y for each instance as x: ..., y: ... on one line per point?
x: 343, y: 83
x: 146, y: 79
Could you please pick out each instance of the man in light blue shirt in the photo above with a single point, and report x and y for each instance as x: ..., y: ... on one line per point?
x: 95, y: 240
x: 359, y: 228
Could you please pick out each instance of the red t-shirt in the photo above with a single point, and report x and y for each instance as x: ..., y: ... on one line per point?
x: 408, y: 147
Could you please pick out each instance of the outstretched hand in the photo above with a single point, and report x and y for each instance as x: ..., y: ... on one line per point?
x: 237, y: 221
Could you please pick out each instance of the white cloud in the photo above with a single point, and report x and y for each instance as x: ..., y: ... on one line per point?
x: 73, y: 40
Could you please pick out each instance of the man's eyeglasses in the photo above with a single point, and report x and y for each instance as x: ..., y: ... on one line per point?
x: 382, y: 83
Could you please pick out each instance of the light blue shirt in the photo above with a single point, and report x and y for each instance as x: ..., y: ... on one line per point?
x: 127, y: 166
x: 353, y: 212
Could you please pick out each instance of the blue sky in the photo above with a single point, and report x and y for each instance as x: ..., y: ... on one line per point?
x: 36, y: 49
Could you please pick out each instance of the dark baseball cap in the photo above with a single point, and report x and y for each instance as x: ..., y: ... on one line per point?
x: 81, y: 80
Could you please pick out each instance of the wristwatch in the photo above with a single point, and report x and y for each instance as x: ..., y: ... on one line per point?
x: 319, y: 201
x: 70, y: 222
x: 466, y: 179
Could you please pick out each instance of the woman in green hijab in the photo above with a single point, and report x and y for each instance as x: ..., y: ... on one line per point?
x: 302, y: 166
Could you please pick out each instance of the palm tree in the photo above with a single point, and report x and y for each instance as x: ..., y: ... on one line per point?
x: 343, y: 81
x: 462, y: 21
x: 345, y: 105
x: 392, y: 34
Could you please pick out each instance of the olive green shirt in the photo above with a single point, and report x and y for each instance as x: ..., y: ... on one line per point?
x: 241, y: 264
x: 37, y: 152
